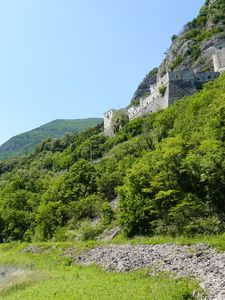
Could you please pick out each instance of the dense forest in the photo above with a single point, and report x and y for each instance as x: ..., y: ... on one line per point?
x: 162, y: 173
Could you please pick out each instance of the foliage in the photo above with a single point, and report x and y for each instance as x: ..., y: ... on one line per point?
x: 174, y: 37
x: 171, y: 189
x: 162, y: 90
x: 176, y: 62
x: 119, y: 119
x: 26, y: 142
x: 167, y: 169
x: 135, y: 102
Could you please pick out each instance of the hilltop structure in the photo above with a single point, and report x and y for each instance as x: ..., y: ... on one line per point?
x: 171, y: 86
x: 219, y: 57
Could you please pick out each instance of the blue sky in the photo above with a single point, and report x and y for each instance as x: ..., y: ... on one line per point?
x: 76, y: 59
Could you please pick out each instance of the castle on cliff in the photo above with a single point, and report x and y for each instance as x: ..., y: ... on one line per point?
x: 171, y: 86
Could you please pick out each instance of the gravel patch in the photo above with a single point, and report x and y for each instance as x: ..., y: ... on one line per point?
x: 199, y: 261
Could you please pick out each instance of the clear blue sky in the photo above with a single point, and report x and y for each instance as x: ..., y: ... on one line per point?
x: 76, y: 59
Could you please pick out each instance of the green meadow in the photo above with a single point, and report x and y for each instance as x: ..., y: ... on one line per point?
x: 51, y: 275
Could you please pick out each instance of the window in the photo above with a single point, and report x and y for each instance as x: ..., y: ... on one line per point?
x: 209, y: 77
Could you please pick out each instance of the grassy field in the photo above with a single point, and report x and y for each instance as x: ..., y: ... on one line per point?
x: 215, y: 241
x: 52, y: 276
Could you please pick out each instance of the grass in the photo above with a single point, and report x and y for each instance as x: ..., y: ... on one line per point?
x: 52, y: 276
x: 215, y: 241
x: 92, y: 283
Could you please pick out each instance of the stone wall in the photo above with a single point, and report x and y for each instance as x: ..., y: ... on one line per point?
x: 154, y: 102
x: 109, y: 132
x: 161, y: 102
x: 177, y: 84
x: 179, y: 89
x: 219, y: 58
x: 107, y: 122
x: 206, y: 76
x: 185, y: 75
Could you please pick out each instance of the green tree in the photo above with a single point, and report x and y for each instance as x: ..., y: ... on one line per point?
x: 120, y: 118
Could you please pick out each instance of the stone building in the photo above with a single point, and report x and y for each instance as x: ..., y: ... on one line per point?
x: 107, y: 122
x: 219, y: 57
x: 170, y: 87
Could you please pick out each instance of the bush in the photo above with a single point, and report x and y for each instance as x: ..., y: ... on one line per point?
x: 174, y: 37
x: 177, y: 61
x: 207, y: 225
x: 88, y: 231
x: 120, y: 118
x: 162, y: 90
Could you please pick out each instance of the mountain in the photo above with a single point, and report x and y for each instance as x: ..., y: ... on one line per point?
x: 26, y: 142
x: 166, y: 170
x: 192, y: 47
x: 163, y: 173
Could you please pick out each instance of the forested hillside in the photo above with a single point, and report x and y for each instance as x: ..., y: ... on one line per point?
x: 167, y: 169
x: 26, y: 142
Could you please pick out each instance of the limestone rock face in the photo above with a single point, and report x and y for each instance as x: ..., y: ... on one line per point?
x: 183, y: 49
x: 144, y: 87
x: 212, y: 1
x: 193, y: 47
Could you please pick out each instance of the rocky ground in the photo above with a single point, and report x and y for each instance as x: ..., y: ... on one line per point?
x: 200, y: 261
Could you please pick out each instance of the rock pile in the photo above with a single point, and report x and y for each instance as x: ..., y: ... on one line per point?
x: 200, y: 261
x: 32, y: 249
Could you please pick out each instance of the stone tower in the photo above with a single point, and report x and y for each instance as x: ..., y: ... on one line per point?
x: 107, y: 122
x: 219, y: 57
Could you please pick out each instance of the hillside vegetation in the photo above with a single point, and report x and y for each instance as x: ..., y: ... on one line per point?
x: 26, y: 142
x: 166, y: 168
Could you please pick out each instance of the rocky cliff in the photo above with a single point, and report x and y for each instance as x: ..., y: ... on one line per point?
x: 193, y: 46
x: 144, y: 87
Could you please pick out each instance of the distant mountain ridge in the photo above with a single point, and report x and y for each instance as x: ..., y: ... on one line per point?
x: 26, y: 142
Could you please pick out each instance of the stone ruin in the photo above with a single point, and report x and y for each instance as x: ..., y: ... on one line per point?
x: 171, y: 86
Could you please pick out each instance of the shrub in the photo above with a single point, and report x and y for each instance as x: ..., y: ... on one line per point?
x: 162, y: 90
x: 87, y: 231
x: 174, y: 37
x: 120, y: 118
x: 177, y: 61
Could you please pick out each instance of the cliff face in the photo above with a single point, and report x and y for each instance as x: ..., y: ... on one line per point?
x: 193, y: 47
x: 144, y: 87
